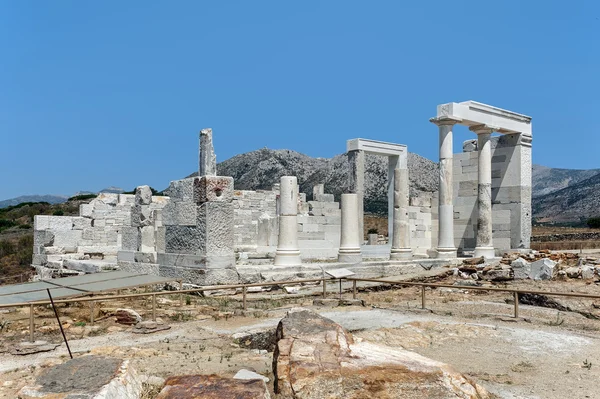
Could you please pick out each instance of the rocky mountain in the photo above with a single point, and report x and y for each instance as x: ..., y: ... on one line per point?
x: 575, y: 203
x: 547, y: 180
x: 259, y: 170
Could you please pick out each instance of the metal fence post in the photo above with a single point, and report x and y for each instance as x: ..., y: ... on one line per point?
x: 31, y: 325
x: 516, y: 297
x: 92, y: 312
x: 154, y: 307
x: 324, y: 288
x: 244, y: 290
x: 423, y: 299
x: 353, y: 289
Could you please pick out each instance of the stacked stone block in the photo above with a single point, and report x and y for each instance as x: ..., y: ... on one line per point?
x: 511, y: 198
x: 88, y: 242
x: 422, y: 215
x: 319, y: 229
x: 255, y: 219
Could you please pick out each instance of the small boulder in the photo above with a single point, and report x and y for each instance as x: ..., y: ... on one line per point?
x: 587, y: 272
x: 573, y: 272
x: 521, y: 269
x: 543, y: 269
x: 498, y: 275
x: 128, y: 316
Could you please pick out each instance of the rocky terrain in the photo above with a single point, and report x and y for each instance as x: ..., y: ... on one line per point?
x: 575, y: 203
x: 548, y: 180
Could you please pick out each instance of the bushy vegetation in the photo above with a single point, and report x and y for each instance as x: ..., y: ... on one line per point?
x: 15, y: 256
x: 594, y: 223
x: 83, y: 197
x: 154, y: 192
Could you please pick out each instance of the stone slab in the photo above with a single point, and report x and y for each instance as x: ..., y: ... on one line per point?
x: 86, y: 377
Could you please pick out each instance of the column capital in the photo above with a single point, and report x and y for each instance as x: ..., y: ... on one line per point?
x: 445, y: 120
x: 483, y: 129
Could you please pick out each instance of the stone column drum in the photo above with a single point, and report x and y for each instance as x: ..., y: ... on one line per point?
x: 401, y: 233
x: 446, y: 248
x: 484, y: 246
x: 287, y: 253
x: 350, y: 239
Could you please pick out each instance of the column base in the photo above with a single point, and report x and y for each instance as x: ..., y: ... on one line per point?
x: 287, y: 257
x: 349, y: 255
x: 444, y: 253
x: 401, y: 253
x: 486, y: 252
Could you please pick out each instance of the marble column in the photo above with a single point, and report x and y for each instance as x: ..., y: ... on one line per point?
x: 350, y: 241
x: 357, y: 185
x: 287, y: 253
x: 484, y: 246
x: 446, y: 248
x: 401, y: 233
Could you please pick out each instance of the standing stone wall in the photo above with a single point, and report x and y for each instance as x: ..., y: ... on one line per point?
x: 100, y: 230
x: 423, y: 220
x: 255, y: 214
x: 509, y: 194
x: 319, y: 226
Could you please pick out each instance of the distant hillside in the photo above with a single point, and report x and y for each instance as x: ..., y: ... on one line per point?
x: 575, y: 203
x: 51, y: 199
x: 547, y: 180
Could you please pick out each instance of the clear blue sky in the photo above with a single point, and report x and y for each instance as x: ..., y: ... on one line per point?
x: 94, y: 94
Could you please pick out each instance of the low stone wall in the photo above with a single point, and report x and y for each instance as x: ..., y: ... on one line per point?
x: 592, y: 236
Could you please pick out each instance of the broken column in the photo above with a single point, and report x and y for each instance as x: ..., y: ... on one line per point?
x: 207, y: 160
x: 288, y: 253
x: 401, y: 233
x: 349, y: 251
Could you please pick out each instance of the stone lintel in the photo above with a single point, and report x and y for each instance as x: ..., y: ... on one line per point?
x: 475, y: 113
x: 376, y: 147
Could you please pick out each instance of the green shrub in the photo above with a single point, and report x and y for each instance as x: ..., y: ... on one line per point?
x: 594, y: 223
x: 58, y: 212
x: 6, y: 248
x: 82, y: 197
x: 5, y: 224
x: 372, y: 230
x: 24, y: 226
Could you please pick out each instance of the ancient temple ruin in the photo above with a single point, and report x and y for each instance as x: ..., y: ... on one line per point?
x: 203, y: 231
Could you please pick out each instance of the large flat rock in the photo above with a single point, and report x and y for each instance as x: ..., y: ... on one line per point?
x: 87, y: 377
x: 213, y: 387
x: 317, y: 358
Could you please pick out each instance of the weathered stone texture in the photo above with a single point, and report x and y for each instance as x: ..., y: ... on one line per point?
x: 213, y: 387
x: 213, y: 189
x: 316, y: 358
